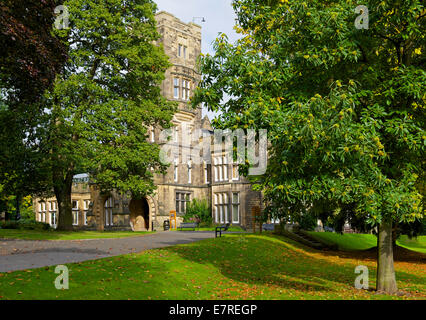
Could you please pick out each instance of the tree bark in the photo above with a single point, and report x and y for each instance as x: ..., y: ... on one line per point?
x: 63, y: 196
x: 386, y: 281
x: 18, y: 207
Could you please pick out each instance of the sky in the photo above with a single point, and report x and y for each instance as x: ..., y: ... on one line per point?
x: 219, y: 16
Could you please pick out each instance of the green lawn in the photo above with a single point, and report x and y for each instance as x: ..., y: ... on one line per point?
x: 415, y: 244
x: 355, y: 241
x: 65, y: 235
x: 243, y: 266
x: 347, y: 241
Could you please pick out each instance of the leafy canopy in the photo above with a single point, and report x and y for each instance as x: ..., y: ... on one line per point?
x: 30, y: 59
x: 98, y: 113
x: 31, y: 55
x: 344, y: 107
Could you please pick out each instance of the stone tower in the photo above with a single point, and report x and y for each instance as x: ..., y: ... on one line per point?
x: 182, y: 43
x: 183, y: 181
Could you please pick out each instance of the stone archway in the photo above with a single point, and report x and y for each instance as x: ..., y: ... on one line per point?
x: 140, y: 214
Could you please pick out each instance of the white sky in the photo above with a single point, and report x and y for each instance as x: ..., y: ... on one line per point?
x: 219, y: 16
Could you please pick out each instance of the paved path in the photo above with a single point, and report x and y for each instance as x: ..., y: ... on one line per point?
x: 28, y: 254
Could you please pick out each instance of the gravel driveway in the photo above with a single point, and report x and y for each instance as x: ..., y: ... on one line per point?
x: 28, y: 254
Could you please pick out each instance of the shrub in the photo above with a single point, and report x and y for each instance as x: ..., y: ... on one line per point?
x: 25, y: 224
x: 11, y: 224
x: 198, y: 211
x: 307, y: 221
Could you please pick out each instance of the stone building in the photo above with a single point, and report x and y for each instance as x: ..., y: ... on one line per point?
x: 229, y: 195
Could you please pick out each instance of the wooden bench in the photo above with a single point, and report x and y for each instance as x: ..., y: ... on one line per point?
x: 188, y: 225
x: 221, y: 228
x: 268, y: 226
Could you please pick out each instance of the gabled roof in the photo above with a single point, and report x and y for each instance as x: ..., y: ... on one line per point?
x: 206, y: 124
x: 82, y: 177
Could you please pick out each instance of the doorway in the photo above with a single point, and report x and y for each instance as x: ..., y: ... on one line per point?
x: 139, y: 214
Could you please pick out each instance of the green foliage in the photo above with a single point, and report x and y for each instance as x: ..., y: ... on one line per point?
x: 307, y: 221
x: 98, y: 113
x: 26, y: 210
x: 22, y: 171
x: 344, y: 108
x: 198, y: 211
x: 8, y: 204
x: 411, y: 230
x: 101, y: 107
x: 25, y: 224
x: 28, y: 67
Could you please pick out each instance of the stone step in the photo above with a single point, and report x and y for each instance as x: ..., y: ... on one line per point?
x: 303, y: 234
x: 302, y: 239
x: 313, y: 242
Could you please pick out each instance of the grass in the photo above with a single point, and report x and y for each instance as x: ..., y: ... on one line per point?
x: 347, y: 241
x: 356, y: 241
x: 65, y: 235
x: 416, y: 244
x: 243, y: 266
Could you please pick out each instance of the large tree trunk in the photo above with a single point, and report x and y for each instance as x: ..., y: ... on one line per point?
x: 18, y: 207
x: 63, y: 196
x: 386, y: 281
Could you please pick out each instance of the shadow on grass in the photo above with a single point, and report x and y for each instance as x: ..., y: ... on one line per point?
x: 401, y: 254
x: 229, y: 267
x: 278, y: 261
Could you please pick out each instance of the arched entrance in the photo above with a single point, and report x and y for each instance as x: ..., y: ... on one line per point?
x: 139, y: 214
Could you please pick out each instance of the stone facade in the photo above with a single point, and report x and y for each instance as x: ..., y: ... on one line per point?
x: 230, y: 196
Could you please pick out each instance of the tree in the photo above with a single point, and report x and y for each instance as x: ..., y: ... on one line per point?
x: 28, y: 66
x: 99, y: 110
x: 344, y: 107
x: 198, y: 211
x: 13, y: 205
x: 33, y: 55
x: 22, y: 170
